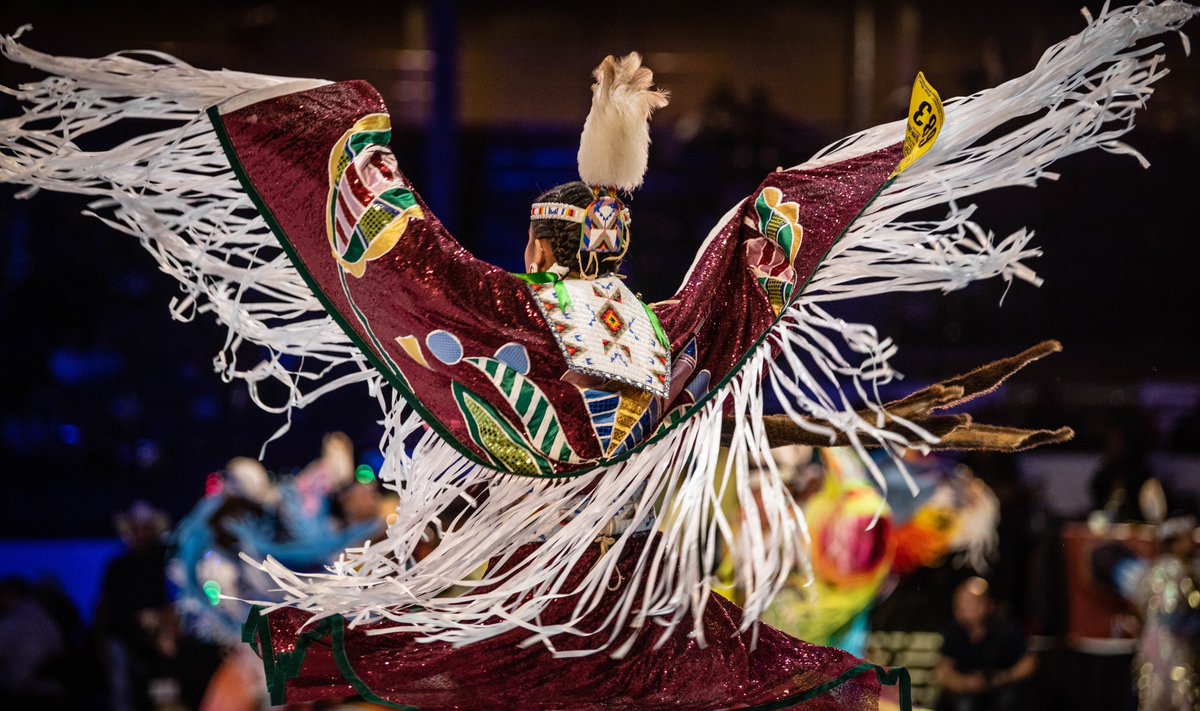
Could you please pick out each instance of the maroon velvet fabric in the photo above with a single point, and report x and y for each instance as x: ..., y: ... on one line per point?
x: 664, y: 669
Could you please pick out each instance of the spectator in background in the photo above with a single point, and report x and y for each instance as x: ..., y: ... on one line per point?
x: 30, y: 644
x: 984, y: 655
x: 1125, y: 468
x: 361, y: 504
x: 133, y: 603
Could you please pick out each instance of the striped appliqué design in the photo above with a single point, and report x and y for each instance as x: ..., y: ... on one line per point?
x: 642, y: 427
x: 496, y: 436
x: 621, y: 419
x: 779, y: 221
x: 771, y: 256
x: 602, y: 409
x: 369, y: 205
x: 540, y: 421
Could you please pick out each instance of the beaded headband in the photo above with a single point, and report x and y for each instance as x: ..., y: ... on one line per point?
x: 556, y: 211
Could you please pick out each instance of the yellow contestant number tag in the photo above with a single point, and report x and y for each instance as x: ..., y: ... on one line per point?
x: 925, y: 119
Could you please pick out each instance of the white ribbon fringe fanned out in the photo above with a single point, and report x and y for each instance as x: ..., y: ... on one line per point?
x: 174, y: 190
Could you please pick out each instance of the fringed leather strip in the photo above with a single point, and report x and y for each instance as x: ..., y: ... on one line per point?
x: 954, y: 432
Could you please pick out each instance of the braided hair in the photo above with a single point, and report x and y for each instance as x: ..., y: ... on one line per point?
x: 563, y: 236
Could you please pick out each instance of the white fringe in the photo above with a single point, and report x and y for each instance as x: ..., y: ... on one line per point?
x: 174, y: 191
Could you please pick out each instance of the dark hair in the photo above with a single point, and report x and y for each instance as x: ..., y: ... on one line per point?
x: 562, y: 235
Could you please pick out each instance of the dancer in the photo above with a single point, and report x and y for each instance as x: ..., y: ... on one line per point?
x: 1167, y: 664
x: 245, y: 509
x: 558, y: 403
x: 1164, y: 590
x: 863, y: 544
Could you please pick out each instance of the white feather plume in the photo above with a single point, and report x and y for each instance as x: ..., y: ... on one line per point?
x: 615, y: 144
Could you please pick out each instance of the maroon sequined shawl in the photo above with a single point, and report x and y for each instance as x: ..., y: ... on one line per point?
x: 463, y: 341
x: 665, y: 668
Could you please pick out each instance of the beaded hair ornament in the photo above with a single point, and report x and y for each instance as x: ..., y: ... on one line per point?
x: 613, y: 152
x: 603, y: 227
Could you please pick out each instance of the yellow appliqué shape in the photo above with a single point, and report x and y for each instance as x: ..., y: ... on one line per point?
x: 633, y: 403
x: 779, y: 221
x: 412, y: 347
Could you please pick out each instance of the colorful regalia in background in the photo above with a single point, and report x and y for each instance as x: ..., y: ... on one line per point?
x: 1164, y: 591
x: 246, y: 510
x: 863, y: 541
x: 306, y: 519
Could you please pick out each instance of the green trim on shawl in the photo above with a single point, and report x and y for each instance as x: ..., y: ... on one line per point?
x: 887, y: 677
x: 282, y: 667
x: 373, y: 358
x: 465, y: 399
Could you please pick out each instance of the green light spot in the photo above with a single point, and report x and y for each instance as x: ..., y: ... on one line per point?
x: 212, y: 590
x: 364, y: 474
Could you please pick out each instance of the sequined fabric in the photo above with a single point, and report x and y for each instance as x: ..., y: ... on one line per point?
x: 432, y: 318
x: 722, y: 304
x: 664, y: 668
x: 427, y: 284
x: 1168, y: 654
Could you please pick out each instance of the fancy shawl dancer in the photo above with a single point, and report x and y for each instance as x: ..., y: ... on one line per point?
x: 863, y: 543
x: 582, y: 426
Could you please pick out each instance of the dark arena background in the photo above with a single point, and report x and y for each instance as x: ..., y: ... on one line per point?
x: 105, y: 400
